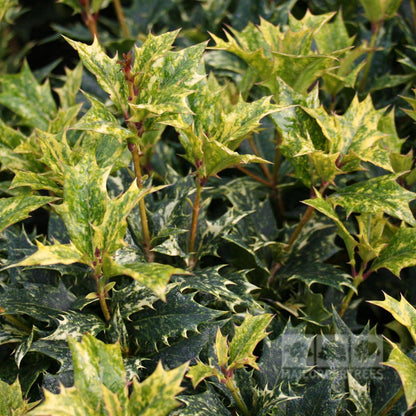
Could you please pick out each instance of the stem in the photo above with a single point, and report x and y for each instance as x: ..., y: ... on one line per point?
x: 147, y: 242
x: 256, y: 177
x: 194, y: 225
x: 375, y: 27
x: 305, y: 218
x: 392, y: 401
x: 358, y: 279
x: 101, y: 296
x: 235, y: 391
x: 121, y: 18
x: 262, y: 165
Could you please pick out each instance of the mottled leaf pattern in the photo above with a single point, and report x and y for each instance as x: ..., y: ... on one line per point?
x: 16, y: 209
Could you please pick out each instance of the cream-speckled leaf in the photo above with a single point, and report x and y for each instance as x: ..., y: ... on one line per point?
x: 221, y: 348
x: 106, y: 70
x: 99, y: 119
x: 164, y: 85
x: 156, y: 395
x: 382, y: 193
x: 201, y: 371
x: 406, y: 367
x: 322, y: 205
x: 85, y: 202
x: 67, y: 93
x: 399, y: 251
x: 246, y: 337
x: 402, y: 311
x: 33, y: 102
x: 12, y: 402
x: 154, y: 276
x: 57, y: 253
x: 360, y: 396
x: 36, y: 181
x: 17, y: 208
x: 204, y: 404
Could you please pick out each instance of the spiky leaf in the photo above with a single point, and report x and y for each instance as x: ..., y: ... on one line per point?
x: 12, y: 402
x: 105, y: 69
x: 17, y: 208
x: 246, y: 337
x: 382, y: 193
x: 27, y: 98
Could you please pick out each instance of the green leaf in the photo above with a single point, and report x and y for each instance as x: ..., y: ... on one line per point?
x: 156, y: 394
x: 67, y: 93
x: 360, y: 396
x: 57, y: 253
x: 36, y: 181
x: 17, y: 208
x: 204, y: 404
x: 106, y: 70
x: 402, y: 311
x: 12, y: 402
x: 201, y: 371
x: 322, y: 205
x: 246, y: 337
x: 285, y: 357
x: 154, y: 276
x: 177, y: 316
x: 379, y: 10
x: 33, y: 102
x: 406, y: 367
x: 99, y: 119
x: 93, y: 220
x: 5, y: 5
x: 382, y: 193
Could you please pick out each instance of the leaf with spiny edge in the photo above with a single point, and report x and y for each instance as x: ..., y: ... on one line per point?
x: 377, y: 194
x: 360, y: 396
x: 68, y: 91
x: 106, y: 70
x: 154, y: 276
x: 12, y: 402
x: 15, y: 209
x: 99, y: 119
x: 246, y: 337
x: 33, y: 102
x: 36, y: 181
x: 406, y: 368
x: 175, y: 317
x: 203, y: 404
x: 322, y: 205
x: 163, y: 88
x: 379, y: 10
x: 402, y: 311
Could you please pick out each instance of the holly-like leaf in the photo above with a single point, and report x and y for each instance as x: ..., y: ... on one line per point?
x: 17, y: 208
x: 54, y: 254
x: 106, y: 70
x: 93, y: 219
x: 204, y: 404
x: 406, y: 367
x: 154, y: 276
x: 67, y: 93
x: 201, y: 371
x: 326, y: 208
x: 284, y: 359
x: 12, y: 402
x: 33, y: 102
x: 382, y: 193
x: 99, y: 119
x: 156, y: 394
x: 246, y: 337
x: 360, y: 396
x: 177, y: 316
x: 402, y: 311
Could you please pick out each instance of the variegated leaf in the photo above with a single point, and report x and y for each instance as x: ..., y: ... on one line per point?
x: 246, y: 337
x: 17, y: 208
x: 33, y: 102
x: 402, y: 311
x: 105, y: 69
x: 154, y: 276
x: 382, y: 193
